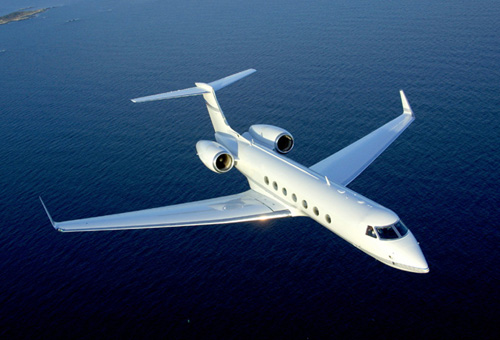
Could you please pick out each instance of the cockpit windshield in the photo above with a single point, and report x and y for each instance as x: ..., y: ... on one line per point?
x: 401, y: 228
x: 390, y: 232
x: 387, y: 233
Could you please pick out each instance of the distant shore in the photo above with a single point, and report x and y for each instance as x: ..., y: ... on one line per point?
x: 20, y: 15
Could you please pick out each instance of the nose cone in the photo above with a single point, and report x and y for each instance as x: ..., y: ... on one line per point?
x: 407, y: 255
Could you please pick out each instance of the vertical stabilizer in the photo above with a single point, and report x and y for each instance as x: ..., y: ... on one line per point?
x: 214, y: 110
x: 208, y: 91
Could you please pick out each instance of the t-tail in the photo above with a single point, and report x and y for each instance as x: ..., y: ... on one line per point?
x: 208, y: 91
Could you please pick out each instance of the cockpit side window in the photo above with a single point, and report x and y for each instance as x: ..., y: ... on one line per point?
x: 401, y: 228
x: 371, y: 232
x: 387, y: 233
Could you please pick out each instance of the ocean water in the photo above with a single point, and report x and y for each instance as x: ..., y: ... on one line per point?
x: 329, y: 72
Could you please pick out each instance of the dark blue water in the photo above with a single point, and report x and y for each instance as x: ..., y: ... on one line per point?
x: 329, y: 72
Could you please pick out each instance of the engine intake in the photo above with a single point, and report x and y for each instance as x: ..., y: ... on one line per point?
x: 273, y: 137
x: 215, y: 157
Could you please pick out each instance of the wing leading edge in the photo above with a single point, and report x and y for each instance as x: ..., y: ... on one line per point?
x: 243, y: 207
x: 345, y: 165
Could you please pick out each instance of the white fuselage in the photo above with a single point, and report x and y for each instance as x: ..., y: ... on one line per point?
x: 306, y: 193
x: 281, y: 187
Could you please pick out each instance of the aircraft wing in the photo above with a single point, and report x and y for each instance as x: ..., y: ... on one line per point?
x: 243, y: 207
x: 345, y: 165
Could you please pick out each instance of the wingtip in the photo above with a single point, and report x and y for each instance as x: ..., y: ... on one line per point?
x: 406, y: 106
x: 48, y: 214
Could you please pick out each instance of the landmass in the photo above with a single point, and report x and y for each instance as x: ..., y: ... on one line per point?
x: 20, y: 15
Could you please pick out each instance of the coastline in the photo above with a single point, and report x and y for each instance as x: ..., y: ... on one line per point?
x: 20, y: 15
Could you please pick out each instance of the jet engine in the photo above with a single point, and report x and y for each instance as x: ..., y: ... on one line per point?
x: 215, y: 157
x: 273, y: 137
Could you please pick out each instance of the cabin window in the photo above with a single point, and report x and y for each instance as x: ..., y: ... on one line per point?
x: 266, y: 180
x: 328, y: 218
x: 316, y: 211
x: 370, y: 232
x: 284, y: 191
x: 304, y: 204
x: 275, y: 186
x: 294, y: 197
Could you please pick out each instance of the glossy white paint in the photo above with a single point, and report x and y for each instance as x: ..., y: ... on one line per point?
x: 215, y: 156
x: 349, y: 212
x: 281, y: 187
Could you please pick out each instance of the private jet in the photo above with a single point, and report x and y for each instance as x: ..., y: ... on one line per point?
x: 281, y: 187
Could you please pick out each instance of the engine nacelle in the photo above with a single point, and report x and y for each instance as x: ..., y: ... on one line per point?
x: 215, y: 157
x: 273, y: 137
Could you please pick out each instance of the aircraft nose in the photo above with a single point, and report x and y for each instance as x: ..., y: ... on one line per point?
x: 408, y: 256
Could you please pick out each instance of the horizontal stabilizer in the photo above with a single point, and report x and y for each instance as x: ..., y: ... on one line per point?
x: 221, y: 83
x: 194, y: 91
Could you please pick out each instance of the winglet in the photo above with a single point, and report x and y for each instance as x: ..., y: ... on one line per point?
x: 406, y: 106
x: 48, y: 214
